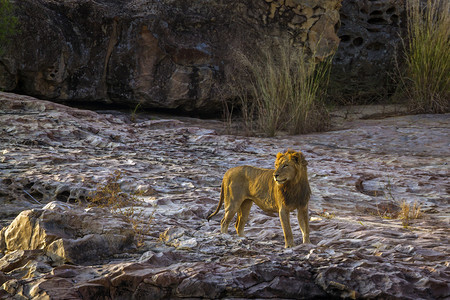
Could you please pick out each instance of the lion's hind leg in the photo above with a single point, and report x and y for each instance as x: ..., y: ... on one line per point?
x: 232, y: 206
x: 226, y: 220
x: 242, y: 217
x: 233, y: 186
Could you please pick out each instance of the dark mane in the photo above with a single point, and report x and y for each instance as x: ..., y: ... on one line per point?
x: 296, y: 194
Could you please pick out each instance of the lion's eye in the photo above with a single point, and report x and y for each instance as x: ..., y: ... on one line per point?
x: 284, y: 166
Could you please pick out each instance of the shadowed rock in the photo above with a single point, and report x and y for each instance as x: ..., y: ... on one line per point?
x: 166, y: 54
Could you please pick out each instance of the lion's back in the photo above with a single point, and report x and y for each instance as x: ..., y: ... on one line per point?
x: 247, y: 174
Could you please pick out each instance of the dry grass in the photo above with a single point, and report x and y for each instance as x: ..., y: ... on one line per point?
x: 110, y: 196
x: 387, y: 211
x: 395, y: 209
x: 425, y: 78
x: 327, y: 215
x: 404, y: 211
x: 281, y: 89
x: 409, y: 212
x: 134, y: 113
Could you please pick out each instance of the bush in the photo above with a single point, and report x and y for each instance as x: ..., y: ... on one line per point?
x: 8, y: 23
x: 283, y: 91
x: 426, y: 79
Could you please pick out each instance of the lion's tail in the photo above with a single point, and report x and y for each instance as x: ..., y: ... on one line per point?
x: 218, y: 206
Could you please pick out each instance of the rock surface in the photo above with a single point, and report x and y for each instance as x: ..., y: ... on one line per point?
x: 359, y: 175
x: 68, y: 234
x: 370, y: 39
x: 165, y: 54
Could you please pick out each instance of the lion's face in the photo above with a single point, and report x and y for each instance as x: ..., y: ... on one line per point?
x: 289, y: 167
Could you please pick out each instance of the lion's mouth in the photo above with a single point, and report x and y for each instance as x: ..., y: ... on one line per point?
x: 280, y: 181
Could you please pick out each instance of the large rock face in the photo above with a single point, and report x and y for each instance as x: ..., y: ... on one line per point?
x: 370, y: 36
x: 167, y: 54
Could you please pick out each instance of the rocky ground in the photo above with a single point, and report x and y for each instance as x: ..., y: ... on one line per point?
x: 53, y: 156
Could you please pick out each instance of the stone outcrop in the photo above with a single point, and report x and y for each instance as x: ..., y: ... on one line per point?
x: 67, y: 234
x: 370, y: 35
x: 166, y: 54
x: 359, y: 173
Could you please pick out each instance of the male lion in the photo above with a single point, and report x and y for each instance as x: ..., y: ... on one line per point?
x: 281, y: 190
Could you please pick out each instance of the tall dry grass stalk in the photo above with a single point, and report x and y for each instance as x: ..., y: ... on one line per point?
x: 306, y: 105
x: 427, y: 56
x: 282, y: 90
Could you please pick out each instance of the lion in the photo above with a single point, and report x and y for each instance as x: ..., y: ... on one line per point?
x: 281, y: 191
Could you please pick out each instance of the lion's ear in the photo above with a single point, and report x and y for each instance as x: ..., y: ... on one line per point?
x: 303, y: 160
x: 296, y: 157
x: 300, y: 158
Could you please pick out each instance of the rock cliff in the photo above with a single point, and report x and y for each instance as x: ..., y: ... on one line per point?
x: 166, y: 54
x: 370, y: 35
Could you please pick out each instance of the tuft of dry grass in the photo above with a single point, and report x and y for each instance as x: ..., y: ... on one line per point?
x: 425, y: 78
x: 388, y: 212
x: 409, y: 212
x: 282, y: 89
x: 396, y: 209
x: 404, y: 211
x: 327, y: 215
x: 109, y: 195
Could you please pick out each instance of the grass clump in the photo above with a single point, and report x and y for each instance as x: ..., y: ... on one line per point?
x: 425, y: 78
x: 409, y: 212
x: 110, y: 196
x: 282, y: 89
x: 404, y: 211
x: 397, y: 209
x: 134, y: 113
x: 327, y: 215
x: 8, y: 23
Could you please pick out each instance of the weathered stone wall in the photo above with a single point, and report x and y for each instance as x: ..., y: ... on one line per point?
x: 167, y: 54
x: 370, y: 36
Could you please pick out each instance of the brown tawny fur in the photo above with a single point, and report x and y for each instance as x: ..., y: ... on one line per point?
x: 282, y: 190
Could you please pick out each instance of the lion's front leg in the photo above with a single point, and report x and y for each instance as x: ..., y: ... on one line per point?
x: 303, y: 221
x: 286, y: 225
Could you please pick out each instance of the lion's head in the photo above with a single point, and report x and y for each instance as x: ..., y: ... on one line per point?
x: 290, y: 166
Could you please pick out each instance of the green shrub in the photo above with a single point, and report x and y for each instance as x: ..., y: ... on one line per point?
x: 8, y: 23
x: 425, y: 78
x: 282, y: 91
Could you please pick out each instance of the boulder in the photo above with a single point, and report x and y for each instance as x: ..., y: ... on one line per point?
x: 67, y: 233
x: 166, y: 54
